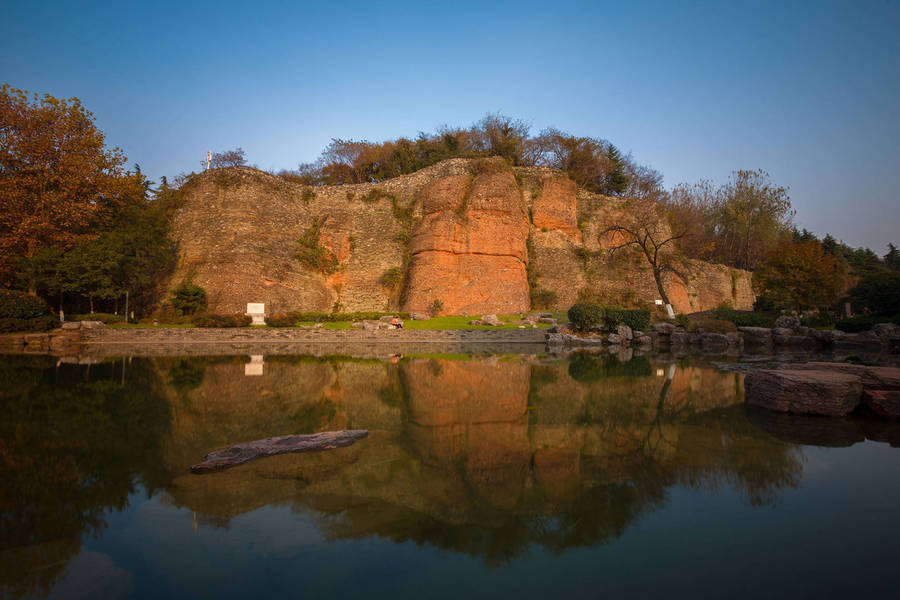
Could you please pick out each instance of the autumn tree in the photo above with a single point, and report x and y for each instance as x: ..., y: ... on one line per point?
x: 800, y: 276
x: 229, y: 158
x: 58, y: 181
x: 736, y: 224
x: 644, y: 225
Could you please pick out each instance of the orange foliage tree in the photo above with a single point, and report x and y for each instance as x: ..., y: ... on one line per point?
x: 59, y: 184
x: 800, y: 275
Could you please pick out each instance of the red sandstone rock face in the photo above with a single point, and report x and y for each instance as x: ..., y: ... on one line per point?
x: 469, y: 249
x: 557, y: 206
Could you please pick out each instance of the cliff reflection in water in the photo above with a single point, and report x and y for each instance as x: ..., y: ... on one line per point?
x: 484, y: 456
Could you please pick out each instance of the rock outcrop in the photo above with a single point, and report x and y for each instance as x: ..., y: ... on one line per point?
x: 477, y: 240
x: 468, y: 251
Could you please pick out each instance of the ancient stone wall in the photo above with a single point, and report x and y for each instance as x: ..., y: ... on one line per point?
x: 456, y: 234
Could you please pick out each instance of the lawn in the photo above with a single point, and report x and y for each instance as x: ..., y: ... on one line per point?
x: 447, y: 322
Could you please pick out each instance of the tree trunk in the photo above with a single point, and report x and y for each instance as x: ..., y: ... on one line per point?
x: 91, y: 300
x: 657, y: 275
x: 244, y: 453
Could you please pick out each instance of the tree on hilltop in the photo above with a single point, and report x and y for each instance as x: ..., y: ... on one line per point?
x: 229, y: 158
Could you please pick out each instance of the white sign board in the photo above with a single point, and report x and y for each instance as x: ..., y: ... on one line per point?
x: 257, y: 310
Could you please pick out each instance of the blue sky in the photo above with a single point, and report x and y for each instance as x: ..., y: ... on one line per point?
x: 808, y: 91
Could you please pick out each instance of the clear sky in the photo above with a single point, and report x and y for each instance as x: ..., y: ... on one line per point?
x: 808, y: 91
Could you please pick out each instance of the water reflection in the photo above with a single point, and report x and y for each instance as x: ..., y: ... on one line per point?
x: 74, y: 443
x: 485, y: 456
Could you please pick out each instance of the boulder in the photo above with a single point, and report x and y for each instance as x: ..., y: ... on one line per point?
x: 869, y: 338
x: 782, y: 332
x: 886, y: 330
x: 71, y: 325
x: 788, y: 322
x: 872, y: 378
x: 625, y: 332
x: 663, y: 328
x: 883, y: 402
x: 418, y: 316
x: 679, y: 338
x: 756, y: 335
x: 614, y: 338
x: 804, y: 392
x: 92, y: 324
x: 827, y: 337
x: 547, y: 320
x: 713, y: 343
x: 645, y: 342
x: 490, y: 320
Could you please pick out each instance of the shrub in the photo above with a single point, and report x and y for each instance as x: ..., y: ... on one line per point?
x: 822, y: 319
x: 487, y: 166
x: 391, y: 278
x: 308, y: 194
x: 436, y: 307
x: 637, y: 318
x: 189, y: 298
x: 863, y: 323
x: 711, y: 326
x: 541, y: 298
x: 375, y: 194
x: 743, y: 318
x: 585, y: 315
x: 879, y: 293
x: 207, y: 320
x: 613, y: 317
x: 102, y: 317
x: 281, y: 320
x: 314, y: 255
x: 42, y: 323
x: 20, y: 305
x: 583, y: 254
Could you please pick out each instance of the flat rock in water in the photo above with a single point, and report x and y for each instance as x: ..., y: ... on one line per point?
x: 248, y: 451
x: 874, y: 378
x: 804, y: 391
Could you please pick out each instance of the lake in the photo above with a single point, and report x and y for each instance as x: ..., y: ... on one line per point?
x: 485, y: 476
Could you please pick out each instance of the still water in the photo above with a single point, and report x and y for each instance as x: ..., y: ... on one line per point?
x: 482, y: 477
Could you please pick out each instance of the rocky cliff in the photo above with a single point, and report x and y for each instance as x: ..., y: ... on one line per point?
x: 474, y: 235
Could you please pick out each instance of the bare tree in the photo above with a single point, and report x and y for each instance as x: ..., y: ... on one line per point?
x: 229, y: 158
x: 643, y: 224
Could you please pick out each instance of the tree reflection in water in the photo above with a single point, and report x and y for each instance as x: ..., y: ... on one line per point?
x: 485, y: 456
x: 75, y: 441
